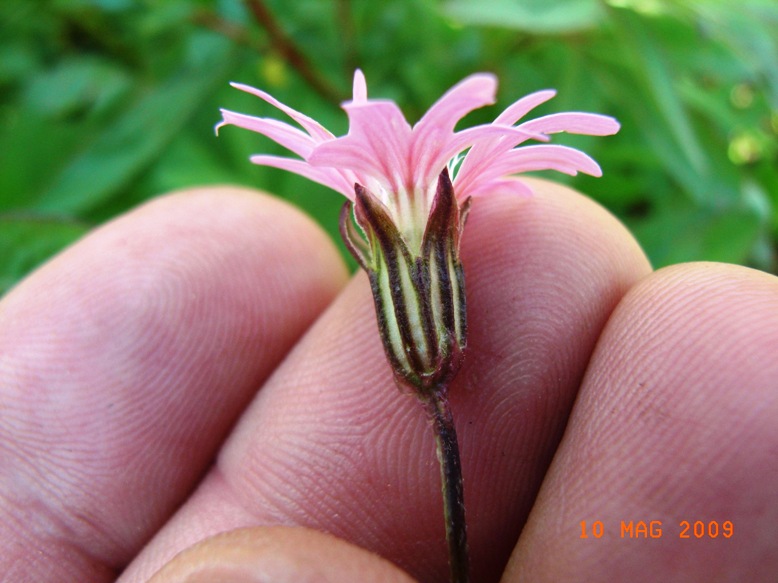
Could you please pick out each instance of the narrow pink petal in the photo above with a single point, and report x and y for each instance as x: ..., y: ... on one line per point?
x: 591, y: 124
x: 377, y: 144
x: 526, y: 159
x: 289, y: 137
x: 345, y: 154
x: 523, y: 106
x: 360, y: 87
x: 314, y: 128
x: 544, y: 157
x: 329, y: 177
x: 429, y: 162
x: 436, y: 129
x: 432, y: 161
x: 483, y: 154
x: 471, y: 93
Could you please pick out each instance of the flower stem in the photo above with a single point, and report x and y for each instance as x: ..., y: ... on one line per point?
x: 439, y: 412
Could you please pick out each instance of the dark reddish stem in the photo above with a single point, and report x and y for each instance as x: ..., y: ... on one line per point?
x: 439, y: 412
x: 289, y: 51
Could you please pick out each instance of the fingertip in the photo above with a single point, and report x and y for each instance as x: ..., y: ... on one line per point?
x: 280, y: 555
x: 543, y: 275
x: 126, y: 359
x: 674, y: 424
x: 557, y: 227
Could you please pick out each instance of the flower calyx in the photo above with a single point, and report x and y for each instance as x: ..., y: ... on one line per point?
x: 418, y: 293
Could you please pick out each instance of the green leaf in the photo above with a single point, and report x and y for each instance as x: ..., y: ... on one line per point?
x: 187, y: 162
x: 530, y: 16
x: 106, y: 5
x: 752, y: 33
x: 135, y: 140
x: 658, y: 83
x: 16, y: 62
x: 83, y: 83
x: 693, y: 234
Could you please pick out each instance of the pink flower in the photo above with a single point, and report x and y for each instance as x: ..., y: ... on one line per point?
x: 396, y: 178
x: 401, y: 164
x: 410, y: 216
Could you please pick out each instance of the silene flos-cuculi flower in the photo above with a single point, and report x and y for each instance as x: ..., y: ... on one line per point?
x: 409, y: 190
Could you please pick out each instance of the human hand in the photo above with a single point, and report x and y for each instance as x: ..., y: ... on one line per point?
x: 221, y: 322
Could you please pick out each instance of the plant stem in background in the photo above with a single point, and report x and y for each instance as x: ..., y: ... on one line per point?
x: 282, y: 43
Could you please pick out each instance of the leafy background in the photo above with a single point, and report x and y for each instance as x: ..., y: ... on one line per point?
x: 107, y: 103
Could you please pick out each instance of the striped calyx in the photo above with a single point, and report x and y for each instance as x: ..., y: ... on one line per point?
x: 419, y: 293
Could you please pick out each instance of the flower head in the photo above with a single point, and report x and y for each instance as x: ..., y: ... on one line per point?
x: 408, y: 189
x: 400, y: 164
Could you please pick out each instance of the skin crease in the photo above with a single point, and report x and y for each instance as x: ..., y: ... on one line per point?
x: 205, y: 323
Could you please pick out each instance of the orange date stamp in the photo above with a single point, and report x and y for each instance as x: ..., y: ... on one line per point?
x: 653, y: 529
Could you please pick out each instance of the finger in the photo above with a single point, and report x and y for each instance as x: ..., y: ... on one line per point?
x: 675, y: 424
x: 125, y: 361
x: 331, y: 444
x: 278, y: 554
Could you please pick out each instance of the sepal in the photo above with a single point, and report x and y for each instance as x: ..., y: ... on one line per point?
x: 419, y: 298
x: 355, y: 241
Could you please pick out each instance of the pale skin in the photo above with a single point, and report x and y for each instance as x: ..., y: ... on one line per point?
x: 205, y: 365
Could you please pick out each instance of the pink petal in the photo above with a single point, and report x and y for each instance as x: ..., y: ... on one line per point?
x: 377, y: 144
x: 483, y: 154
x: 471, y: 93
x: 360, y: 87
x: 314, y: 128
x: 523, y: 106
x: 289, y: 137
x: 345, y: 155
x: 435, y: 160
x: 544, y: 157
x: 590, y: 124
x: 433, y: 134
x: 329, y: 177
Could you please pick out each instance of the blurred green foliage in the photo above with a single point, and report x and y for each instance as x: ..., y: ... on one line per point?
x: 106, y: 103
